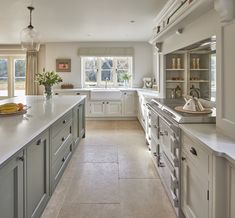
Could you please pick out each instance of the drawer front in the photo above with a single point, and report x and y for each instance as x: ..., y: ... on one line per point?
x: 60, y: 141
x: 61, y: 123
x: 197, y: 155
x: 60, y: 164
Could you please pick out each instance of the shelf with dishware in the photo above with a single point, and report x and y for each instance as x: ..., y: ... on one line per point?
x: 191, y: 70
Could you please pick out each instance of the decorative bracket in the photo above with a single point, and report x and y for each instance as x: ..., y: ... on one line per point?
x: 225, y: 8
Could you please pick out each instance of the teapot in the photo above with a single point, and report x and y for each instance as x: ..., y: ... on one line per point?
x: 193, y: 104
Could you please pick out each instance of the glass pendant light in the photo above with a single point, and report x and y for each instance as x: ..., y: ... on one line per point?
x: 29, y: 36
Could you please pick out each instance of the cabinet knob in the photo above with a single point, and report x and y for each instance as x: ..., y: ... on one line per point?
x: 63, y: 139
x: 38, y: 142
x: 64, y: 121
x: 103, y: 102
x: 183, y: 158
x: 193, y: 151
x: 107, y: 102
x: 21, y: 158
x: 63, y: 160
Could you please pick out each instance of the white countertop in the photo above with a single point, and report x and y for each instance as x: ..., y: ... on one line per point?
x: 147, y: 91
x: 17, y: 131
x: 218, y: 143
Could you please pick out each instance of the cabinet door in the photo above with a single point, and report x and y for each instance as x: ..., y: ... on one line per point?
x: 129, y: 104
x: 37, y: 175
x: 81, y: 120
x: 11, y: 188
x: 194, y: 192
x: 97, y: 109
x: 113, y: 108
x: 231, y: 192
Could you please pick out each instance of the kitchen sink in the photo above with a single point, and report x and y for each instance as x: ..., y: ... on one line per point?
x: 101, y: 94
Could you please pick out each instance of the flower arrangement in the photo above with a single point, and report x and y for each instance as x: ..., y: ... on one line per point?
x: 48, y: 79
x: 126, y: 77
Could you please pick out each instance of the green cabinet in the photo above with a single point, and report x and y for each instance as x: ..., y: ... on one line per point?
x: 79, y: 122
x: 11, y: 188
x: 37, y: 175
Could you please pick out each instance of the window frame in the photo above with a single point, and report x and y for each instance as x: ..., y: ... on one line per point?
x: 99, y: 82
x: 11, y: 72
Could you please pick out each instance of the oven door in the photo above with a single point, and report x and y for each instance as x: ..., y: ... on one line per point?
x: 169, y: 141
x: 168, y: 176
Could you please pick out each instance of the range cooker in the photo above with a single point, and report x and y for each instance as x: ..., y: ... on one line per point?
x: 166, y: 141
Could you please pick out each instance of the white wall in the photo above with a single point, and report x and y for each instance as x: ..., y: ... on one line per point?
x: 143, y: 65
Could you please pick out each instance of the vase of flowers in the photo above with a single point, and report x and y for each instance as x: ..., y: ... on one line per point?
x: 126, y: 78
x: 48, y: 79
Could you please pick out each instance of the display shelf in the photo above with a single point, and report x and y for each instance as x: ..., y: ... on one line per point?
x: 199, y: 81
x: 199, y: 69
x: 175, y: 81
x: 175, y: 69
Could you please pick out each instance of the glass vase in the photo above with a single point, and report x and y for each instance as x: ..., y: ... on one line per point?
x: 48, y: 92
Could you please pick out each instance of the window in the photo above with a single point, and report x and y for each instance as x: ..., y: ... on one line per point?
x: 12, y: 76
x: 97, y: 71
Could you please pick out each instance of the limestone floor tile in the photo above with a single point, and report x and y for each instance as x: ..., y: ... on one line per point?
x: 57, y: 199
x: 137, y: 169
x: 128, y: 125
x: 94, y: 183
x: 100, y: 125
x: 144, y: 198
x: 97, y: 153
x: 90, y: 211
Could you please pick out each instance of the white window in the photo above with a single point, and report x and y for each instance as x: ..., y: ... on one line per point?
x: 98, y: 71
x: 12, y: 76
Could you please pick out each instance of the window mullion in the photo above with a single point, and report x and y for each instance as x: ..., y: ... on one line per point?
x: 115, y: 72
x: 99, y: 71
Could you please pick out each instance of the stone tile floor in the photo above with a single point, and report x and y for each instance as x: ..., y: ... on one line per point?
x: 110, y: 175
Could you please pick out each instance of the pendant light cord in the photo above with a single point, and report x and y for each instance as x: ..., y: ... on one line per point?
x: 31, y: 8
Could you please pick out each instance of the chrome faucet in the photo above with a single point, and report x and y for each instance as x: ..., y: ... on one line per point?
x: 106, y: 82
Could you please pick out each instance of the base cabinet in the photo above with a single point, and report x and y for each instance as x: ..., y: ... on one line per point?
x: 196, y: 180
x: 11, y: 188
x: 195, y: 203
x: 105, y: 108
x: 129, y: 104
x: 78, y: 122
x: 37, y: 175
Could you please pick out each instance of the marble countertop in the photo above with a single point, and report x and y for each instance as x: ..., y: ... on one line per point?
x: 17, y: 131
x: 121, y: 89
x: 209, y: 136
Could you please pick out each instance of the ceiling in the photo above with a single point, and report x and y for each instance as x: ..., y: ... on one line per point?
x: 80, y: 20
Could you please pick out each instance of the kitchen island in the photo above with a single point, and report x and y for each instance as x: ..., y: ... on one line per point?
x: 35, y: 149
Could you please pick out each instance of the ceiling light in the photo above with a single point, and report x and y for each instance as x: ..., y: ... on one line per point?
x: 29, y: 36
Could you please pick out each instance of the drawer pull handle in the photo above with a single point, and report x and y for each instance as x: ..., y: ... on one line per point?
x: 63, y: 160
x: 162, y: 133
x: 39, y: 142
x: 183, y: 158
x: 63, y: 139
x: 193, y: 151
x: 64, y: 121
x: 78, y: 93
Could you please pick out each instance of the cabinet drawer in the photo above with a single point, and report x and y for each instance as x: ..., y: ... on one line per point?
x: 197, y: 155
x: 60, y: 164
x: 62, y: 138
x: 61, y: 123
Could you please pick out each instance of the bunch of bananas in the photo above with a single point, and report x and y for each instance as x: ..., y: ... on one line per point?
x: 11, y: 108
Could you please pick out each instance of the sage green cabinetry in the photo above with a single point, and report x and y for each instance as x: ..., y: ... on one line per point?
x: 37, y: 175
x: 79, y: 122
x: 61, y: 147
x: 11, y: 188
